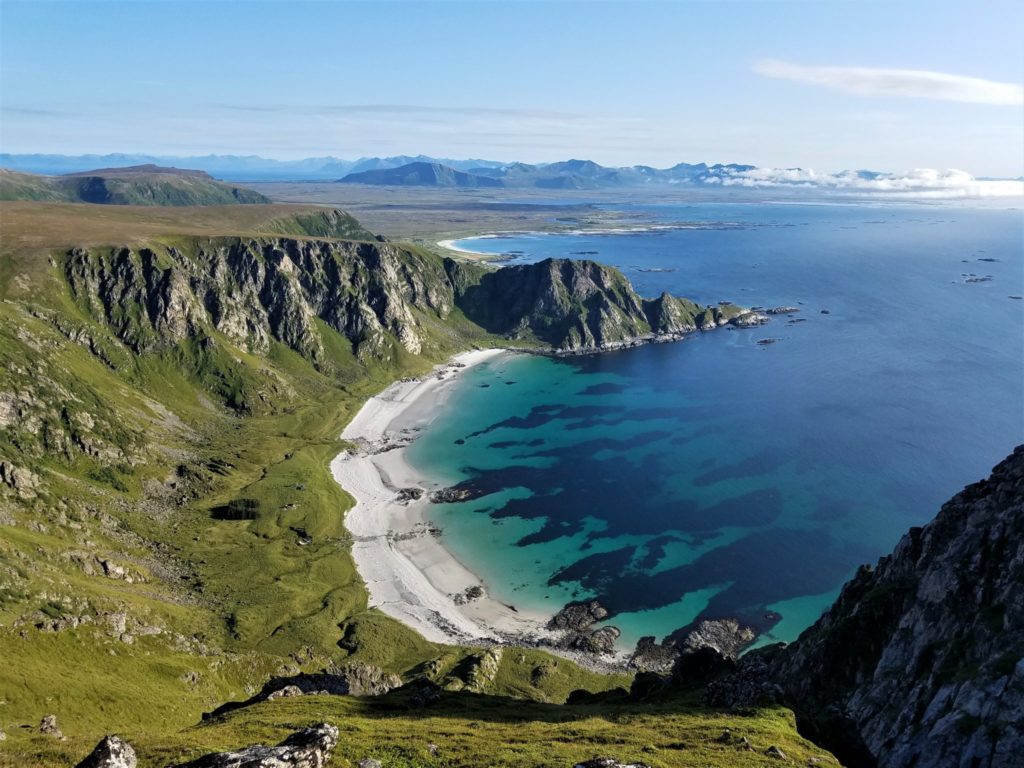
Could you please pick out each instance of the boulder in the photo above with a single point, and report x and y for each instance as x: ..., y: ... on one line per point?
x: 111, y: 752
x: 308, y: 748
x: 578, y: 615
x: 48, y: 726
x: 600, y: 641
x: 727, y: 636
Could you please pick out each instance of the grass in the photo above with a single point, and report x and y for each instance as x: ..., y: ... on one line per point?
x: 472, y: 730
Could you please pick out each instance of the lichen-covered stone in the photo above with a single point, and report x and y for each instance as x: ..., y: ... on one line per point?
x: 308, y: 748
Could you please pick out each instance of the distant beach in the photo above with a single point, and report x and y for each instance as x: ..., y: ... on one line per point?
x: 408, y: 573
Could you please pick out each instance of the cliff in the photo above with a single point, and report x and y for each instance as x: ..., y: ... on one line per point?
x: 255, y: 291
x: 578, y: 306
x: 919, y: 663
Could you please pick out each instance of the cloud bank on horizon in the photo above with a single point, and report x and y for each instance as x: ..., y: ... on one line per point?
x: 917, y: 183
x: 915, y: 83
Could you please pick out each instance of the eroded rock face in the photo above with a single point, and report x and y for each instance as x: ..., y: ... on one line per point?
x: 920, y: 661
x: 111, y: 752
x: 260, y: 290
x: 727, y: 636
x: 308, y: 748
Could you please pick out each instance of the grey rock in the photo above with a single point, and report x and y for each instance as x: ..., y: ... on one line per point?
x: 727, y: 636
x: 608, y: 762
x: 578, y: 615
x: 369, y: 763
x: 600, y: 641
x: 111, y: 752
x: 353, y: 679
x: 652, y: 656
x: 48, y: 726
x: 308, y: 748
x: 285, y: 693
x: 22, y: 481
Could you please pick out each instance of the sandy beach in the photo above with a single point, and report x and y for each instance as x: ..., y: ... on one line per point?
x: 409, y: 574
x: 451, y: 246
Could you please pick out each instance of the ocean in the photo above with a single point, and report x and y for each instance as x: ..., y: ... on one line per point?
x: 719, y: 476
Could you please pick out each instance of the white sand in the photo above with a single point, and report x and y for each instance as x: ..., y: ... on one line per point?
x: 451, y: 246
x: 408, y: 573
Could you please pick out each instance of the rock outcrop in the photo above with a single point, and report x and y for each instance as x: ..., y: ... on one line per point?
x: 255, y: 291
x: 578, y: 615
x: 111, y: 752
x: 726, y: 637
x: 577, y: 306
x: 308, y: 748
x: 352, y: 679
x: 920, y: 661
x: 475, y: 672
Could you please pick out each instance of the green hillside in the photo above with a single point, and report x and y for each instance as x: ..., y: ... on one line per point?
x: 143, y: 185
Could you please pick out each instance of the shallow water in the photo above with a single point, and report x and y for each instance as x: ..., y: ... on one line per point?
x: 720, y: 477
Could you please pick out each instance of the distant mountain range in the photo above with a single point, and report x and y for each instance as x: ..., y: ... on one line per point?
x: 232, y: 167
x: 423, y: 171
x: 570, y: 174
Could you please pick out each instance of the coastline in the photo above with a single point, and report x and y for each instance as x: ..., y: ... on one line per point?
x: 638, y: 229
x: 409, y: 574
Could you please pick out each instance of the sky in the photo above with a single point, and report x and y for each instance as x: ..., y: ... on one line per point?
x: 826, y: 84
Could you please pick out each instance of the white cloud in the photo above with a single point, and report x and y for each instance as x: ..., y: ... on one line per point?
x: 920, y: 182
x: 868, y: 81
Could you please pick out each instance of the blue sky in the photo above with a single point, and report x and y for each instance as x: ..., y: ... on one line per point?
x: 774, y: 83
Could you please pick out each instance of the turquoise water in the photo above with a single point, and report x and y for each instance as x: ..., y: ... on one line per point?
x: 718, y: 477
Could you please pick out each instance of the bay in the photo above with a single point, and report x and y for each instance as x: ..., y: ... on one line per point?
x: 722, y: 477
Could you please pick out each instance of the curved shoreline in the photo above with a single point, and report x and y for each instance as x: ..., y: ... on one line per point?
x: 409, y: 574
x: 449, y: 244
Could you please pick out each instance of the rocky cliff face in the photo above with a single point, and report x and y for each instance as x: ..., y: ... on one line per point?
x: 576, y: 306
x: 920, y: 661
x: 261, y: 290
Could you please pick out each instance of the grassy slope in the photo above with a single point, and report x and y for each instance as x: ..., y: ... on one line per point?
x: 161, y: 189
x: 473, y: 731
x: 236, y: 601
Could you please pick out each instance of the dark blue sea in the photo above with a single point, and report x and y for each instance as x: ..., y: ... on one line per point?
x: 721, y: 477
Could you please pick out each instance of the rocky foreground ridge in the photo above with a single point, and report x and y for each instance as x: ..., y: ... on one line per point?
x: 920, y: 661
